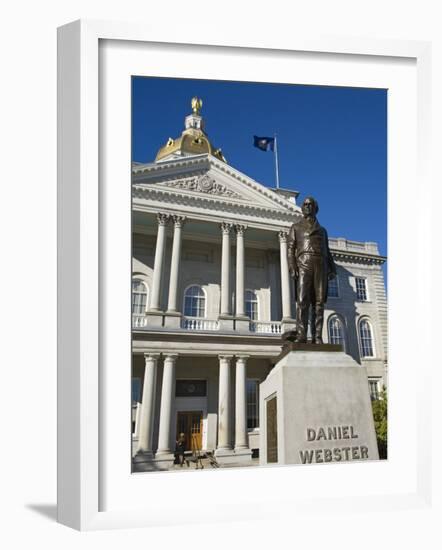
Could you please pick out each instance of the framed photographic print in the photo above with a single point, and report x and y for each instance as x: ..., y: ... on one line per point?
x: 204, y: 339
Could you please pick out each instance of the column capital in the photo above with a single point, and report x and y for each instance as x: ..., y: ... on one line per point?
x: 226, y: 227
x: 240, y: 229
x: 283, y: 236
x: 225, y: 357
x: 162, y: 218
x: 242, y: 358
x: 151, y: 355
x: 179, y: 221
x: 170, y: 356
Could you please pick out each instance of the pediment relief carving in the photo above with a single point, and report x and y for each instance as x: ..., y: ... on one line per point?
x: 202, y: 184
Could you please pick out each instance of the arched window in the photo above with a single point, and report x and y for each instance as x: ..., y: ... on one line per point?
x: 194, y: 302
x: 251, y: 302
x: 336, y: 331
x: 366, y: 338
x: 139, y: 297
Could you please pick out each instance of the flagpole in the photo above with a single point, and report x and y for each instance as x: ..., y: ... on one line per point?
x: 276, y: 163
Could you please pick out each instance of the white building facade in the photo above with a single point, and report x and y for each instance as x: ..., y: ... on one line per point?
x: 211, y: 295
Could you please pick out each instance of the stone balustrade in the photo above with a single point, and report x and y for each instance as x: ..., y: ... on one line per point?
x: 199, y: 323
x: 270, y: 327
x: 139, y: 321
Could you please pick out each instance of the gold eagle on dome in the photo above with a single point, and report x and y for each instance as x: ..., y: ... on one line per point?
x: 197, y: 104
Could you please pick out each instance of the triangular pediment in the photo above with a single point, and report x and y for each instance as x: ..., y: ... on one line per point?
x: 205, y: 176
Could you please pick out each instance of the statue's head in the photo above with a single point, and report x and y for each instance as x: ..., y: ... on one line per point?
x: 310, y: 207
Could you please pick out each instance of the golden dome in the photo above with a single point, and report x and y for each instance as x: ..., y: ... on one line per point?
x: 193, y: 140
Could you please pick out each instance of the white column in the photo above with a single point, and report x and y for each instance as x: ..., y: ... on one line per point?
x: 285, y: 276
x: 167, y: 394
x: 240, y: 229
x: 225, y: 269
x: 224, y: 403
x: 147, y: 403
x: 159, y: 262
x: 175, y: 263
x: 137, y: 421
x: 241, y: 404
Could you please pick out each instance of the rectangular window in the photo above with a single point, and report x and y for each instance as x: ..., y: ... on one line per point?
x: 333, y: 288
x: 191, y: 388
x: 361, y: 289
x: 374, y: 389
x: 252, y: 404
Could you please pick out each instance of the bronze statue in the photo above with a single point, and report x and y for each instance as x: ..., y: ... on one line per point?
x: 311, y: 263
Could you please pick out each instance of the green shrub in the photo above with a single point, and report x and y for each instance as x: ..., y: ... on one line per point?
x: 380, y: 416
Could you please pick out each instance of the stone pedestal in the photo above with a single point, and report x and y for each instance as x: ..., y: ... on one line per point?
x: 315, y: 408
x: 242, y: 324
x: 288, y: 325
x: 163, y: 461
x: 155, y: 319
x: 172, y: 319
x: 237, y: 456
x: 226, y: 323
x: 146, y: 462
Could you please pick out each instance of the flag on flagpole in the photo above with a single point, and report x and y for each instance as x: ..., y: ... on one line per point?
x: 264, y: 143
x: 269, y: 144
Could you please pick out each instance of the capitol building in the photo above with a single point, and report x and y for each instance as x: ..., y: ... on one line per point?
x: 212, y: 294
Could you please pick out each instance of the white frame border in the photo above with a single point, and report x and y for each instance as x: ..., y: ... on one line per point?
x: 78, y: 257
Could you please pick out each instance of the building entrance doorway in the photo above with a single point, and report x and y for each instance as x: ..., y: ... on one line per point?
x: 191, y: 424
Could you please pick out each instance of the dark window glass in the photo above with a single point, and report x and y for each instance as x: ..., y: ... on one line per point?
x: 333, y: 288
x: 191, y: 388
x: 361, y: 289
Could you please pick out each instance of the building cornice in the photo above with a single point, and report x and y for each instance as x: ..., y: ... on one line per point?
x: 193, y: 200
x: 206, y: 344
x: 357, y: 257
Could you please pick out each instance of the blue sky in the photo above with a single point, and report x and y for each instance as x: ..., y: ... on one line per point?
x: 332, y: 141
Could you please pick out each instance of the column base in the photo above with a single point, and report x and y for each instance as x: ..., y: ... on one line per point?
x: 164, y: 461
x: 155, y: 319
x: 143, y: 462
x: 143, y: 456
x: 226, y: 322
x: 146, y: 462
x: 172, y: 319
x: 243, y: 454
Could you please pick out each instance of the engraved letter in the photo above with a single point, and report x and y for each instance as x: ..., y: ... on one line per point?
x: 318, y: 455
x: 352, y: 433
x: 311, y: 434
x: 346, y: 452
x: 327, y: 455
x: 306, y: 457
x: 337, y: 454
x: 321, y: 434
x: 355, y: 453
x: 364, y: 452
x: 345, y: 432
x: 332, y: 433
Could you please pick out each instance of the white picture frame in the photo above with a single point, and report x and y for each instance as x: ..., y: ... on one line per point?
x: 82, y: 295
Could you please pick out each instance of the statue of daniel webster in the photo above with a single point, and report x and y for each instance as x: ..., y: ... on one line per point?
x: 311, y: 263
